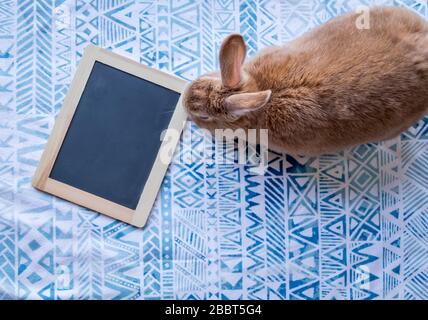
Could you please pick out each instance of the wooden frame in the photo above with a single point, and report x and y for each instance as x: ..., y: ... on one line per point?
x: 41, y: 179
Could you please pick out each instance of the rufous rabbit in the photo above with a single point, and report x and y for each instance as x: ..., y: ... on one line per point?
x: 334, y: 87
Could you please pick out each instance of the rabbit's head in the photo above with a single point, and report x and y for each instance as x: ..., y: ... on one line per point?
x: 229, y: 98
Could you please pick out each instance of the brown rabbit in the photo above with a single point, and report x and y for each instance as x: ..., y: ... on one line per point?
x: 335, y: 87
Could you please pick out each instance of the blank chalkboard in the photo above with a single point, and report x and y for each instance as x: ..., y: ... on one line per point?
x: 105, y: 146
x: 114, y: 137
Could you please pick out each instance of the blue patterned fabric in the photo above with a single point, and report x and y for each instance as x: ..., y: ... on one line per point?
x: 352, y: 225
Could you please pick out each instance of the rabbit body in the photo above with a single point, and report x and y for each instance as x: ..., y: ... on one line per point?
x: 334, y: 87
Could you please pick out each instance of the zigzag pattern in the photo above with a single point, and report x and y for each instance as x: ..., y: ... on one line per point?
x: 255, y: 236
x: 392, y: 218
x: 7, y: 266
x: 248, y: 24
x: 303, y: 241
x: 89, y: 267
x: 186, y: 39
x: 334, y: 230
x: 34, y: 89
x: 350, y: 225
x: 163, y: 35
x: 414, y: 168
x: 151, y: 278
x: 35, y: 216
x: 63, y: 53
x: 267, y: 23
x: 208, y: 53
x: 363, y: 170
x: 86, y: 24
x: 364, y: 221
x: 230, y: 233
x: 277, y: 256
x: 167, y: 257
x: 211, y: 200
x: 7, y: 153
x: 120, y: 281
x: 190, y: 256
x: 365, y: 271
x: 6, y: 17
x: 225, y: 21
x: 64, y: 251
x: 147, y: 32
x: 188, y: 177
x: 190, y: 239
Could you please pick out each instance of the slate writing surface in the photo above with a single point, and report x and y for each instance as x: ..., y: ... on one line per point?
x: 114, y: 136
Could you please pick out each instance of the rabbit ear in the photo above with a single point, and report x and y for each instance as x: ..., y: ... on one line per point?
x: 232, y: 56
x: 243, y: 103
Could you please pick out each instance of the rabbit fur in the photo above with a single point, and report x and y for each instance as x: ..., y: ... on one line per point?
x: 335, y: 87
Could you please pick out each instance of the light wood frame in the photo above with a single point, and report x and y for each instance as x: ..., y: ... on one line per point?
x: 43, y: 182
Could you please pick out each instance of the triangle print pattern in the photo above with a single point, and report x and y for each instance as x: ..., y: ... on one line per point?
x: 349, y: 225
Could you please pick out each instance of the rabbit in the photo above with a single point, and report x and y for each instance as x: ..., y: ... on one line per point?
x: 335, y: 87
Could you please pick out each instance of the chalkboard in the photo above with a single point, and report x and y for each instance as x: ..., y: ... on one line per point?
x: 103, y: 152
x: 114, y: 136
